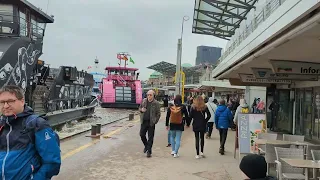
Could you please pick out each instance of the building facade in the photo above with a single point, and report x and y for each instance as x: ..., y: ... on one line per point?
x: 207, y: 54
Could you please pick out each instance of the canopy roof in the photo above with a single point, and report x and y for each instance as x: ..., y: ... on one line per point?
x: 220, y: 18
x: 170, y: 69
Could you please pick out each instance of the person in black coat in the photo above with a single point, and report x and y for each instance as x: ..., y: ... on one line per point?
x: 175, y: 124
x: 200, y: 115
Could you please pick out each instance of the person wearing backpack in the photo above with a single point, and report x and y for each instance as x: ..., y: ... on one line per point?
x: 29, y: 148
x: 223, y: 120
x: 212, y: 106
x: 200, y: 115
x: 175, y: 123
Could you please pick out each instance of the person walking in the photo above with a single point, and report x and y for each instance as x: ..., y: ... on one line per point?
x: 175, y: 124
x: 188, y: 119
x: 149, y: 117
x: 212, y: 106
x: 29, y: 148
x: 223, y: 119
x: 165, y: 102
x: 200, y: 115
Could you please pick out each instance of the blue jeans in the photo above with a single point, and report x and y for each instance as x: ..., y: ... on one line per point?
x: 175, y: 140
x: 169, y: 137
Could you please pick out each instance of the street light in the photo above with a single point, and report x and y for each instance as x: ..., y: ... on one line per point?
x: 179, y: 56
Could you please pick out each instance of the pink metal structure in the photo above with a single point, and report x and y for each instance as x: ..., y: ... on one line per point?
x: 121, y: 88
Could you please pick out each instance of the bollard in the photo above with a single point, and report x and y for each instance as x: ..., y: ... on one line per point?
x: 93, y: 130
x: 98, y: 128
x: 131, y: 117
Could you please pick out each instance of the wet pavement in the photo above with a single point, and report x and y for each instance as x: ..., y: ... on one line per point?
x: 118, y: 155
x: 101, y: 115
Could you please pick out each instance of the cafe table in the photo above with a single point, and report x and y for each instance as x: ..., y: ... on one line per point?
x: 302, y: 163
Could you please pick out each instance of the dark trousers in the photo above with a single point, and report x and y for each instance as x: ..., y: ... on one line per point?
x: 199, y: 135
x: 223, y: 137
x: 209, y: 128
x: 188, y: 121
x: 145, y: 127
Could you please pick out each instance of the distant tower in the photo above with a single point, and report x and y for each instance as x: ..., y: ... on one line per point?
x: 96, y: 64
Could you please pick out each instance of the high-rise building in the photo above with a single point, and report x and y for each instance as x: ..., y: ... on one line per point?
x: 207, y: 54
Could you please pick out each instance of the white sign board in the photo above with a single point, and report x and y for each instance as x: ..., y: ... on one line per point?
x: 251, y: 79
x: 267, y: 73
x: 295, y: 67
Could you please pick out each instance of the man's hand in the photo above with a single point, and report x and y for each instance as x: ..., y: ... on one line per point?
x: 167, y: 127
x: 143, y: 109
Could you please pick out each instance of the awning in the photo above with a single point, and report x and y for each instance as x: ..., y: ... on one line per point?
x: 220, y: 18
x: 170, y: 69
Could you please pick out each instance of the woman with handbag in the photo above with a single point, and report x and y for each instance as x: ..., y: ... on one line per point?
x: 223, y: 120
x: 200, y: 115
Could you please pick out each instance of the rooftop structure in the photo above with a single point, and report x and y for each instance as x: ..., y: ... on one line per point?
x: 220, y: 18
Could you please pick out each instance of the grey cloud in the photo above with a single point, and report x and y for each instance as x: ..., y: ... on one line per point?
x: 147, y: 29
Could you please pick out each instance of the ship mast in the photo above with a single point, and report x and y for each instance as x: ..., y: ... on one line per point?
x: 123, y: 56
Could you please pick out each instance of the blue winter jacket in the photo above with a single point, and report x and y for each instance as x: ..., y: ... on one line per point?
x: 23, y: 157
x: 223, y: 117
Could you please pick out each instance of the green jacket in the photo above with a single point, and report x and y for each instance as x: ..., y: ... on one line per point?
x: 154, y: 111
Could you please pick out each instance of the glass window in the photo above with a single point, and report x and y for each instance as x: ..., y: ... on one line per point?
x: 316, y: 127
x: 23, y: 24
x: 6, y: 12
x: 283, y: 119
x: 307, y: 113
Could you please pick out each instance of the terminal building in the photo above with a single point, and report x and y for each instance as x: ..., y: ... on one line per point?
x: 274, y: 53
x: 198, y: 81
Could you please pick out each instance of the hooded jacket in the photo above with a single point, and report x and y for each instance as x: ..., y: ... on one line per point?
x: 223, y: 117
x: 24, y: 157
x: 212, y: 108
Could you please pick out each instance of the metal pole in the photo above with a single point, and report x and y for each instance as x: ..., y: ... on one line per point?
x: 179, y: 57
x: 178, y: 69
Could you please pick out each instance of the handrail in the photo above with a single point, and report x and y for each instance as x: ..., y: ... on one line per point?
x: 121, y: 78
x: 266, y: 11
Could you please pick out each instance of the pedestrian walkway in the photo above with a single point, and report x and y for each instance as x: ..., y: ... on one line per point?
x: 121, y: 157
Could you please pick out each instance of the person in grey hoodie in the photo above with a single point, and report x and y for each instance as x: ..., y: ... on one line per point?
x: 212, y: 106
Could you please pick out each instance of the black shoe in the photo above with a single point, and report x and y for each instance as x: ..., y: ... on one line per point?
x: 145, y: 150
x: 148, y: 154
x: 221, y: 151
x: 169, y: 145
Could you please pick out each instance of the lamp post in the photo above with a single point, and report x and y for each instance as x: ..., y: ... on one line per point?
x: 178, y: 78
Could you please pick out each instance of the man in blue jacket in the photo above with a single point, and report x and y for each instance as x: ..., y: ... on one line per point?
x: 223, y: 117
x: 29, y: 148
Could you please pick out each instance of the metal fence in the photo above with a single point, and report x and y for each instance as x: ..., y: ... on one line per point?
x: 266, y: 11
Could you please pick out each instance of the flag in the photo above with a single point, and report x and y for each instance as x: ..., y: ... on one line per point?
x: 131, y: 60
x: 89, y: 67
x: 125, y: 58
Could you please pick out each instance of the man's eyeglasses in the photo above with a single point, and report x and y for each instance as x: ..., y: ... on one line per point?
x: 9, y: 102
x: 149, y: 94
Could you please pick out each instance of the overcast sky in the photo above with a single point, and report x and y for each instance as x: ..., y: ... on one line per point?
x: 147, y: 29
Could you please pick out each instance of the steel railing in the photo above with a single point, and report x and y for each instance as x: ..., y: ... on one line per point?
x: 266, y: 11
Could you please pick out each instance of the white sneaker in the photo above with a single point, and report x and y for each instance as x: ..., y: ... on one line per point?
x: 197, y: 157
x: 176, y: 155
x: 202, y: 155
x: 172, y: 153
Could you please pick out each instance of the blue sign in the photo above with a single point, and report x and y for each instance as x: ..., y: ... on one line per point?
x: 244, y: 133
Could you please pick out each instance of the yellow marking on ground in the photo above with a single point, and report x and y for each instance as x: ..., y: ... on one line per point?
x: 75, y: 151
x: 112, y: 132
